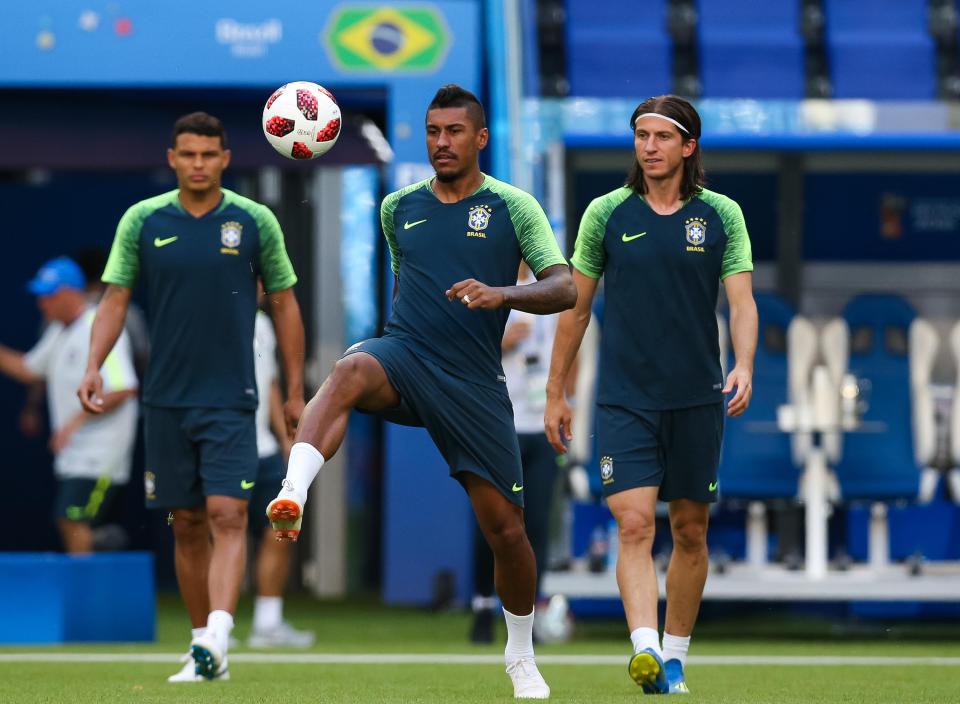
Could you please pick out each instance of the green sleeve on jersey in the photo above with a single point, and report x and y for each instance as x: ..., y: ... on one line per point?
x: 387, y: 208
x: 275, y: 266
x: 123, y: 264
x: 737, y: 256
x: 588, y: 256
x: 537, y: 241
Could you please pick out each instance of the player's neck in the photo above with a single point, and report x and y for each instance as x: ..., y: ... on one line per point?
x: 663, y: 195
x: 458, y: 189
x: 199, y: 203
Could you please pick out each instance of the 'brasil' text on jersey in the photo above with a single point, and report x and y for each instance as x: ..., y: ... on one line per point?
x: 200, y: 275
x: 659, y: 346
x: 433, y: 245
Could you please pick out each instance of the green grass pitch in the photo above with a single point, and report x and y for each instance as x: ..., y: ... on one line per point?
x: 908, y: 663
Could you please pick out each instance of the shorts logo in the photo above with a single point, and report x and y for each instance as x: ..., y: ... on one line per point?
x: 713, y: 486
x: 244, y: 484
x: 230, y: 237
x: 478, y: 219
x: 606, y: 470
x: 150, y: 485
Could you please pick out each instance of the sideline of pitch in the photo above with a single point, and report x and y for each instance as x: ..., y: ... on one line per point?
x: 451, y: 659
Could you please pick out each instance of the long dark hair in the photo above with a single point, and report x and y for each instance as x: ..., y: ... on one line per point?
x: 683, y: 112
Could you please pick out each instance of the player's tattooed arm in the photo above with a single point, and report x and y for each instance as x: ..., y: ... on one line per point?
x: 553, y: 292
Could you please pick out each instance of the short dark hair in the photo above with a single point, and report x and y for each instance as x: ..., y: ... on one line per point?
x: 682, y: 111
x: 199, y: 123
x: 453, y: 96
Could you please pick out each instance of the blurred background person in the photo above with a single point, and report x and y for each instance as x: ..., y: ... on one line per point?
x: 93, y: 261
x: 272, y: 567
x: 92, y: 454
x: 527, y: 342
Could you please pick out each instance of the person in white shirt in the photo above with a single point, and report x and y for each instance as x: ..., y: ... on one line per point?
x: 272, y: 568
x: 526, y: 345
x: 93, y: 454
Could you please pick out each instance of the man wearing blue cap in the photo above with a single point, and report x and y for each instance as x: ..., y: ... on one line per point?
x: 93, y: 454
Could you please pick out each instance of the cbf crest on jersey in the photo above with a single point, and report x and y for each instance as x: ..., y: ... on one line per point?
x: 606, y: 470
x: 696, y: 230
x: 230, y: 234
x: 479, y: 217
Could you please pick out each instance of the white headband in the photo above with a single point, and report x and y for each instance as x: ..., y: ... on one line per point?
x: 662, y: 117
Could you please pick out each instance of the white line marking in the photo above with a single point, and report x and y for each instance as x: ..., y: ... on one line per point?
x: 453, y: 659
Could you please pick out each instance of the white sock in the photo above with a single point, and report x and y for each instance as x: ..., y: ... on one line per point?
x: 643, y: 638
x: 302, y: 468
x: 197, y: 632
x: 267, y: 613
x: 219, y: 625
x: 675, y: 648
x: 519, y: 637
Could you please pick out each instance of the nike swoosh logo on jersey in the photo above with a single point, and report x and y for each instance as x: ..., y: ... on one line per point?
x: 244, y: 484
x: 516, y: 488
x: 630, y: 238
x: 157, y: 242
x: 408, y: 225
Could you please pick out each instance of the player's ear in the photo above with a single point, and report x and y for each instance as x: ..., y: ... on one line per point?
x: 483, y: 136
x: 226, y: 158
x: 170, y: 161
x: 689, y: 147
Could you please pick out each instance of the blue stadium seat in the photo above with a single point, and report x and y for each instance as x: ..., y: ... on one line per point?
x: 614, y: 51
x: 880, y: 466
x: 759, y: 465
x: 751, y: 49
x: 880, y: 49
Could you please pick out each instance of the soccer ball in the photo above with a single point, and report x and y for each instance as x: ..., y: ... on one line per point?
x: 301, y: 120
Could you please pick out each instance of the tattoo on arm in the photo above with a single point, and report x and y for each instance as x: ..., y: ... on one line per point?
x: 553, y: 292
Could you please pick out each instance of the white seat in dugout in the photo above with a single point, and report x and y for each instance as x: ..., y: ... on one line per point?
x: 953, y: 476
x: 892, y: 355
x: 924, y: 345
x: 759, y: 463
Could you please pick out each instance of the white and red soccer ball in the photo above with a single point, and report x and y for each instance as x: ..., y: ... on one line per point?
x: 301, y: 120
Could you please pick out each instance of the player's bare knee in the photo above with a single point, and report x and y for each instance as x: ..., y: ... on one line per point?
x: 635, y: 527
x: 228, y: 519
x: 189, y: 525
x: 689, y: 536
x: 506, y: 535
x: 349, y: 378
